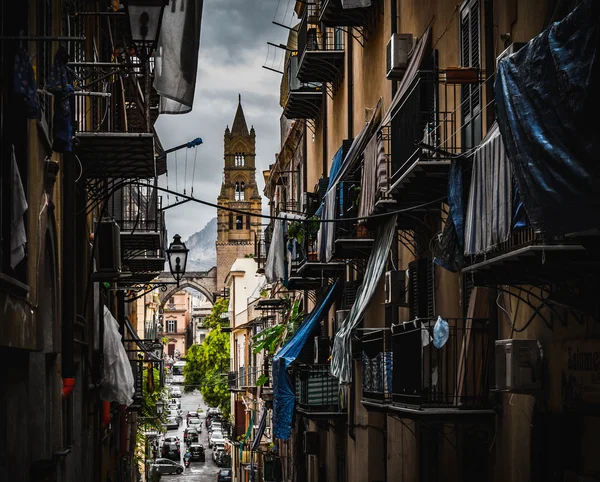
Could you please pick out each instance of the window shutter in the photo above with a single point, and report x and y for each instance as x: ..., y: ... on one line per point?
x: 421, y: 289
x: 470, y: 46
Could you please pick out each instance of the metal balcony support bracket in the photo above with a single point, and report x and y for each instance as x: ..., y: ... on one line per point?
x: 134, y: 293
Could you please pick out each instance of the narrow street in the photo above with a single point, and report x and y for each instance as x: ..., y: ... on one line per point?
x: 197, y: 471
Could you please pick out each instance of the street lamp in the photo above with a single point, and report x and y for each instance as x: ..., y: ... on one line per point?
x: 145, y: 18
x: 177, y: 255
x: 159, y: 407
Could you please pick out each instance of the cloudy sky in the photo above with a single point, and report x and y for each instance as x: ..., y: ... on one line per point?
x: 233, y: 49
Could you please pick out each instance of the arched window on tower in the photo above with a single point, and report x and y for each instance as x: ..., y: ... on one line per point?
x: 239, y: 159
x: 242, y: 188
x: 236, y: 195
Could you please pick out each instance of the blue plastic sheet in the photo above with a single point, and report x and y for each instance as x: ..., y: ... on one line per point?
x: 283, y: 393
x: 547, y: 108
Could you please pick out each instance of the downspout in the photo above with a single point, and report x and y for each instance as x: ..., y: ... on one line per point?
x: 490, y: 61
x: 324, y: 134
x: 350, y: 76
x: 394, y: 29
x: 304, y: 168
x: 69, y: 281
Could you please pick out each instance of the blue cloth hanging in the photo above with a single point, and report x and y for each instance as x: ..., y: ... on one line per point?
x: 24, y: 84
x: 60, y: 85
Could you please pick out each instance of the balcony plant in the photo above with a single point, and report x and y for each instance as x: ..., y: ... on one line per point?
x: 305, y: 234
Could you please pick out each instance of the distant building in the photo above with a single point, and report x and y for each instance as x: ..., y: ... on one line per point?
x: 176, y: 318
x: 237, y: 233
x: 201, y: 308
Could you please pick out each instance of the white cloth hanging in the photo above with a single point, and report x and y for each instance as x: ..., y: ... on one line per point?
x: 18, y: 235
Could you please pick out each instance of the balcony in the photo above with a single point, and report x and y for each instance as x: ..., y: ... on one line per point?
x: 321, y: 50
x: 137, y: 209
x: 446, y: 384
x: 317, y: 392
x: 529, y: 258
x: 334, y: 15
x: 351, y: 240
x: 377, y: 363
x: 424, y: 135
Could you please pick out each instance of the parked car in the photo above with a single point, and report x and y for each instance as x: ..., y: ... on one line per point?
x: 197, y: 451
x: 171, y: 451
x: 217, y: 453
x: 176, y: 392
x: 216, y: 438
x: 224, y: 475
x: 166, y: 466
x: 215, y: 427
x: 223, y: 459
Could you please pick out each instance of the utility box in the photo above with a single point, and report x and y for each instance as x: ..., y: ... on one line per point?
x: 397, y: 55
x: 395, y: 288
x: 518, y: 365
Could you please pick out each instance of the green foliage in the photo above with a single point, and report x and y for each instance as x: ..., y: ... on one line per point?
x: 272, y: 338
x: 302, y: 230
x: 262, y: 380
x: 207, y: 363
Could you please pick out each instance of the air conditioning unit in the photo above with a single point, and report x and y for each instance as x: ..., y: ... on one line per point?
x: 321, y: 350
x: 108, y: 251
x: 395, y: 288
x: 518, y: 365
x: 397, y: 55
x: 310, y: 203
x: 340, y: 317
x: 311, y: 443
x: 512, y: 48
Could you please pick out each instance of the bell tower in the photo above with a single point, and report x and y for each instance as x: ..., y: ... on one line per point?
x: 237, y: 232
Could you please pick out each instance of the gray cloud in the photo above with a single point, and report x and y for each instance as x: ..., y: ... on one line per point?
x: 232, y: 51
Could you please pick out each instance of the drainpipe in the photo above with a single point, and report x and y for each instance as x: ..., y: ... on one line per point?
x: 350, y: 77
x: 304, y: 167
x: 490, y: 61
x: 68, y: 276
x: 324, y: 133
x: 394, y: 29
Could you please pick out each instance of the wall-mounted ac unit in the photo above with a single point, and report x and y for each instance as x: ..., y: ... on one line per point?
x: 395, y: 288
x: 518, y: 365
x: 311, y: 443
x: 321, y: 350
x: 512, y: 48
x: 310, y: 203
x: 108, y: 251
x: 397, y: 55
x: 340, y: 317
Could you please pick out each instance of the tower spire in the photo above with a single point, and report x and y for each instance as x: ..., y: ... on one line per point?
x: 239, y: 126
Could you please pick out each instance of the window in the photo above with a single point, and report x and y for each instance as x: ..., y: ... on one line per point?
x: 239, y: 222
x: 239, y: 159
x: 202, y: 338
x: 171, y: 326
x: 239, y: 191
x: 247, y: 221
x: 470, y: 53
x: 421, y: 290
x: 171, y: 349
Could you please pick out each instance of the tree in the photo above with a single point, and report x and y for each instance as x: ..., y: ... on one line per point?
x: 207, y: 363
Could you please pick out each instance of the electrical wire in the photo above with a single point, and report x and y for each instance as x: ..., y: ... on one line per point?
x: 279, y: 218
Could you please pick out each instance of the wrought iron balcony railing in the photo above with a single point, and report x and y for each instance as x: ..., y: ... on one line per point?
x: 136, y: 208
x: 317, y: 391
x: 377, y: 362
x: 430, y: 374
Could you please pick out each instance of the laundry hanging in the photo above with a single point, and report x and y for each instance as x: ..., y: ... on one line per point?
x: 341, y: 358
x: 24, y: 84
x: 283, y: 393
x: 60, y: 85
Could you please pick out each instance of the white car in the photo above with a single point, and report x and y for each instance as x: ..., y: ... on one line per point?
x: 176, y: 392
x: 215, y: 427
x: 216, y: 438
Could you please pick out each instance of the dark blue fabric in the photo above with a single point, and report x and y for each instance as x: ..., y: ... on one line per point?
x: 336, y: 165
x: 283, y: 392
x: 519, y: 219
x: 24, y: 84
x: 61, y: 86
x: 547, y: 106
x: 456, y: 199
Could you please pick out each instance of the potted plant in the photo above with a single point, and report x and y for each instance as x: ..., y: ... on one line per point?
x: 361, y: 231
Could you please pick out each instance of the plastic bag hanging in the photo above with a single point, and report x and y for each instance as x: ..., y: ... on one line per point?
x: 441, y: 332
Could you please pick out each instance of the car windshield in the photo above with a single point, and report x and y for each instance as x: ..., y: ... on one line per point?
x: 194, y: 422
x: 226, y: 472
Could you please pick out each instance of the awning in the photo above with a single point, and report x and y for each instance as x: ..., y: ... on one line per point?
x: 341, y: 358
x: 260, y: 431
x: 375, y: 180
x: 176, y: 59
x: 546, y: 101
x: 283, y: 393
x: 489, y: 212
x: 325, y: 239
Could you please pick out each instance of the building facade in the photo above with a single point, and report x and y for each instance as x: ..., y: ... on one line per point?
x: 417, y: 300
x: 237, y: 233
x: 177, y: 312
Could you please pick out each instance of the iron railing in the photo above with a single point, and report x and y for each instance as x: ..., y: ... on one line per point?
x: 317, y: 390
x: 426, y: 125
x: 519, y: 238
x: 311, y: 37
x: 377, y: 363
x: 137, y: 208
x: 451, y: 376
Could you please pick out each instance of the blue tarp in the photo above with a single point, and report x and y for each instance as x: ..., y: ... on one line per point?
x: 283, y: 393
x: 336, y: 164
x: 547, y: 107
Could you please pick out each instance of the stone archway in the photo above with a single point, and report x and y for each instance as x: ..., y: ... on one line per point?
x: 203, y: 281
